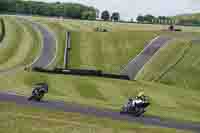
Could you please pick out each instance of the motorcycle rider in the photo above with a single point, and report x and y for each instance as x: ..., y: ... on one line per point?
x: 40, y: 90
x: 130, y: 102
x: 140, y: 95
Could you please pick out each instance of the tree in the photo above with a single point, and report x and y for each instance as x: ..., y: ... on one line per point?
x: 105, y: 15
x: 162, y: 19
x: 149, y: 18
x: 140, y: 18
x: 89, y: 15
x: 115, y: 16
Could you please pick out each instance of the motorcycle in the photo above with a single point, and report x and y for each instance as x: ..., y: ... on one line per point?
x: 136, y: 106
x: 38, y: 92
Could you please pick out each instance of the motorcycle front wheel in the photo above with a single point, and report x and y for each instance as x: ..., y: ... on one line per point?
x: 30, y: 98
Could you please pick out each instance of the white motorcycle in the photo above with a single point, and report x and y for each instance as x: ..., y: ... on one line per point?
x: 136, y: 106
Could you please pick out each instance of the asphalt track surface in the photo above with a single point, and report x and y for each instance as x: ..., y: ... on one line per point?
x: 135, y: 65
x: 48, y: 49
x: 102, y: 113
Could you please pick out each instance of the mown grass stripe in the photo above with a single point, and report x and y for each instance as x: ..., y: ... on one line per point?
x: 27, y: 41
x: 107, y: 51
x: 10, y: 43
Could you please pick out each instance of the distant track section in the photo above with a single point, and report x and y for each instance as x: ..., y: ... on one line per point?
x: 135, y: 65
x: 48, y: 47
x: 102, y: 113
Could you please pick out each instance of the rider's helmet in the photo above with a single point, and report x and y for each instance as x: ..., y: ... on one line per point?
x: 140, y: 94
x: 43, y: 87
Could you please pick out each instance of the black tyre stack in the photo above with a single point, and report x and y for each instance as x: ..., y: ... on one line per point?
x: 2, y: 29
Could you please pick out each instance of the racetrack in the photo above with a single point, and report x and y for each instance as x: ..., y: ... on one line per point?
x: 49, y: 47
x: 135, y: 65
x: 103, y: 113
x: 47, y: 56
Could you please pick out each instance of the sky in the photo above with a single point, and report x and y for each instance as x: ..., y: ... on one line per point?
x: 131, y: 8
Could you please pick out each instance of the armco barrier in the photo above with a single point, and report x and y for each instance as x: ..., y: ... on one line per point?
x: 79, y: 72
x: 67, y: 49
x: 115, y: 76
x: 82, y: 72
x: 68, y: 40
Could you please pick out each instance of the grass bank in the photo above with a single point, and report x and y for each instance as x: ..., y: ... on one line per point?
x: 176, y: 64
x: 20, y: 37
x: 107, y: 51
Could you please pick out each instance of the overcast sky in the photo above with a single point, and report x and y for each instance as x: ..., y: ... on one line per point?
x: 131, y: 8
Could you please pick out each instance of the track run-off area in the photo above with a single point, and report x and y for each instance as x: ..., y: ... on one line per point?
x: 102, y: 113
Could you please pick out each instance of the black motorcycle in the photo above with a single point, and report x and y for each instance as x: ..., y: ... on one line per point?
x: 39, y: 90
x: 136, y: 106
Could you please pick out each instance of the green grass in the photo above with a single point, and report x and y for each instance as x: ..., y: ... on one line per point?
x: 107, y: 51
x: 21, y: 119
x: 176, y: 64
x: 108, y: 93
x: 85, y: 44
x: 19, y: 37
x: 165, y: 59
x: 35, y: 43
x: 9, y: 44
x: 89, y: 26
x: 83, y: 25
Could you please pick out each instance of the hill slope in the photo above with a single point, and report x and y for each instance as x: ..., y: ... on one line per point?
x: 98, y: 50
x: 107, y: 51
x: 19, y: 37
x: 176, y: 64
x: 189, y: 16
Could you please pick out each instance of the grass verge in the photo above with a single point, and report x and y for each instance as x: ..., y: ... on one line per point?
x: 20, y: 119
x: 108, y: 93
x: 13, y: 35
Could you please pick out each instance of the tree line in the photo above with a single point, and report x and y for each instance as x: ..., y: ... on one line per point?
x: 106, y: 16
x: 68, y: 10
x: 155, y: 20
